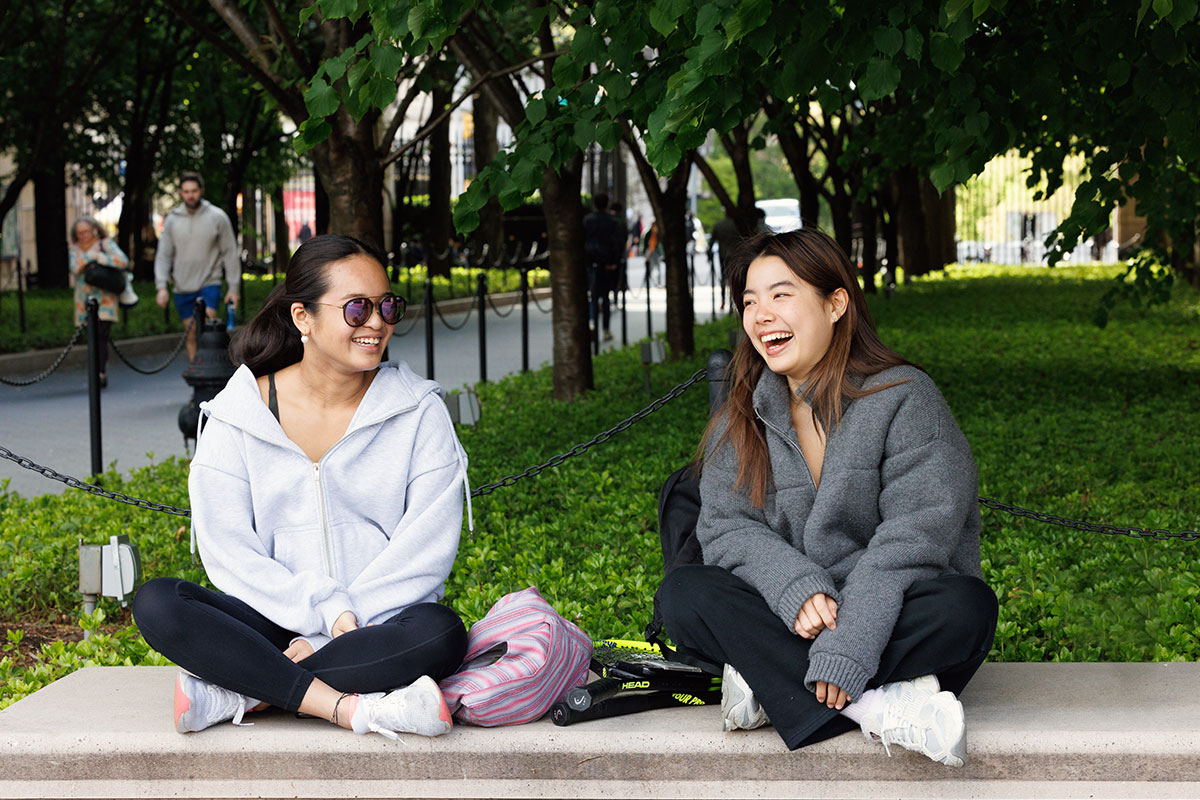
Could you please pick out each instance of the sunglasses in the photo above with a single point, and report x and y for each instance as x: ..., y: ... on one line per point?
x: 358, y: 310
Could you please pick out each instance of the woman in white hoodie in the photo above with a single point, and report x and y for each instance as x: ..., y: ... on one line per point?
x: 327, y: 497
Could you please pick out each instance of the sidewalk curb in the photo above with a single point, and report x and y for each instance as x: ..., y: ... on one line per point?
x: 31, y: 362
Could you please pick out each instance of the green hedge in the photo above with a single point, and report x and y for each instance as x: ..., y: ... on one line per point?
x: 50, y: 313
x: 1062, y: 417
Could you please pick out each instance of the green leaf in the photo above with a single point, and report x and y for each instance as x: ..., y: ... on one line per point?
x: 945, y: 53
x: 358, y: 73
x: 587, y: 46
x: 387, y: 59
x: 956, y: 8
x: 381, y: 91
x: 321, y: 100
x: 942, y: 176
x: 1166, y: 46
x: 334, y: 9
x: 417, y: 19
x: 307, y: 12
x: 1162, y: 8
x: 466, y: 219
x: 312, y: 133
x: 707, y: 18
x: 335, y: 67
x: 609, y: 134
x: 661, y: 21
x: 535, y: 110
x: 711, y: 45
x: 880, y: 80
x: 913, y: 44
x: 888, y: 41
x: 585, y: 133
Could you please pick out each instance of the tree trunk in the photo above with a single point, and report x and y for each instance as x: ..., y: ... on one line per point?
x: 865, y: 213
x: 887, y: 218
x: 939, y: 224
x: 352, y: 178
x: 438, y: 236
x: 491, y: 219
x: 320, y: 204
x: 50, y: 215
x: 910, y: 223
x: 673, y: 233
x: 283, y: 254
x: 737, y: 144
x: 564, y: 232
x: 249, y: 231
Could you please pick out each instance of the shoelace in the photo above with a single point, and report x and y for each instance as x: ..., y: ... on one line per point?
x: 894, y: 730
x: 221, y: 698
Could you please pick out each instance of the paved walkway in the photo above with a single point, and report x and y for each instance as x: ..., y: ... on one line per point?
x: 48, y: 422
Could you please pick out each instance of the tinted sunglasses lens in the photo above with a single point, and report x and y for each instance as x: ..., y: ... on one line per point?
x: 391, y: 308
x: 357, y: 311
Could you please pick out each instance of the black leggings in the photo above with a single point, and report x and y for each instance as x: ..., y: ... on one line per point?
x: 945, y: 628
x: 222, y: 640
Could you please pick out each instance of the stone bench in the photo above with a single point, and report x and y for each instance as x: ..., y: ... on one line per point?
x: 1035, y: 730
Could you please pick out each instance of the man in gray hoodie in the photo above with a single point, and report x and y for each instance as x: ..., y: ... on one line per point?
x: 197, y: 244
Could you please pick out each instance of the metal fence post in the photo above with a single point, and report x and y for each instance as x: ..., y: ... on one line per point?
x: 429, y: 328
x: 649, y: 319
x: 21, y: 291
x: 712, y: 284
x: 524, y: 320
x: 718, y: 379
x: 481, y: 298
x: 93, y: 345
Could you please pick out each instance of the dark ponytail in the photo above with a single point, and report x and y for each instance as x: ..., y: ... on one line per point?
x: 270, y: 341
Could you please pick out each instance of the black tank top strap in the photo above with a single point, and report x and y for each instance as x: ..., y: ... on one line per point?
x: 272, y: 400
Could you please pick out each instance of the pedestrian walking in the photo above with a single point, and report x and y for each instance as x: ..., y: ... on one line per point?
x: 197, y: 245
x: 602, y: 235
x: 91, y: 248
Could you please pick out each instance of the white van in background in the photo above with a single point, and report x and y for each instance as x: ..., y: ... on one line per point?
x: 783, y: 214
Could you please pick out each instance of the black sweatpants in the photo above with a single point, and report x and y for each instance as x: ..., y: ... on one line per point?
x: 222, y: 640
x: 945, y: 629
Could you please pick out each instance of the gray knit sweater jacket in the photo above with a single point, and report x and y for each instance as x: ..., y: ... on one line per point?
x: 897, y: 504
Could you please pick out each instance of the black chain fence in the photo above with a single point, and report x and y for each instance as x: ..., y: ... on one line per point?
x: 465, y: 319
x: 46, y: 373
x: 1159, y: 534
x: 174, y: 353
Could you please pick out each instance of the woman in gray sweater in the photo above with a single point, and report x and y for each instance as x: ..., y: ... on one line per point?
x: 841, y: 583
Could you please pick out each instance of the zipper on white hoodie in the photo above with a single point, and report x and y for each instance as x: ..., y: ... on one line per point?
x: 326, y: 543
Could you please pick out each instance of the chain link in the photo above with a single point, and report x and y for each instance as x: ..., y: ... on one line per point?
x: 1092, y: 527
x: 533, y: 297
x: 75, y: 483
x: 465, y: 319
x: 599, y: 438
x: 165, y: 364
x: 496, y: 309
x: 1158, y: 534
x: 49, y: 370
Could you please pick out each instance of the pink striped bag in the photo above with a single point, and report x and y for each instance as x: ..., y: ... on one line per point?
x: 522, y: 657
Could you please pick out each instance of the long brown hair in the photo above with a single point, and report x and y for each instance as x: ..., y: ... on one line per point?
x: 855, y: 350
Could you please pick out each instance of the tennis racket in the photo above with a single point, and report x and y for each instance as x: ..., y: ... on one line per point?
x: 631, y: 666
x: 562, y: 714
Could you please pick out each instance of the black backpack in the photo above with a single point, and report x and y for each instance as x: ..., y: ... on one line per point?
x: 678, y: 510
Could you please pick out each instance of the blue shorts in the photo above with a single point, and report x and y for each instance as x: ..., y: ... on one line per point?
x: 185, y: 302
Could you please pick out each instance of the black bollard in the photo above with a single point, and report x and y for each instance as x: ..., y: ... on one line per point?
x: 524, y: 320
x: 594, y: 310
x: 429, y: 328
x: 649, y: 319
x: 93, y: 349
x: 712, y: 285
x: 208, y: 373
x: 718, y: 378
x: 481, y: 298
x: 624, y: 315
x: 21, y: 292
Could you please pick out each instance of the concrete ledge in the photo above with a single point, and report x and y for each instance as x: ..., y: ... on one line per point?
x: 1036, y: 730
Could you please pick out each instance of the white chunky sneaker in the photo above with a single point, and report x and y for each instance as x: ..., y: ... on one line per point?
x: 200, y: 704
x: 739, y: 708
x: 918, y: 717
x: 417, y: 708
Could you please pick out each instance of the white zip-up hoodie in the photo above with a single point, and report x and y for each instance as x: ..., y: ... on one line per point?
x: 373, y: 527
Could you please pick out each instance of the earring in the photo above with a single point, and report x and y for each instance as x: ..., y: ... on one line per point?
x: 304, y: 338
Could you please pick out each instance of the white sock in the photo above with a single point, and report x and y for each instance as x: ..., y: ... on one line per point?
x: 868, y: 703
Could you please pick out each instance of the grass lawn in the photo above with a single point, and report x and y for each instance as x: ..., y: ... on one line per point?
x: 1099, y: 425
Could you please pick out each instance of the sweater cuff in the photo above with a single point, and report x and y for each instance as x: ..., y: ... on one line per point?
x: 844, y: 673
x: 332, y: 608
x: 796, y: 595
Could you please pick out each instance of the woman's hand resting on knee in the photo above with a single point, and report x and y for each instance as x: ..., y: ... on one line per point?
x: 299, y: 650
x: 818, y: 613
x: 831, y: 695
